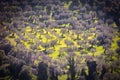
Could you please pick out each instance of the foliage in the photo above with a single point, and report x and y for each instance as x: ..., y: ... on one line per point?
x: 59, y: 40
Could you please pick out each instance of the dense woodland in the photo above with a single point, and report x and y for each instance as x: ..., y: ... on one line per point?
x: 59, y: 39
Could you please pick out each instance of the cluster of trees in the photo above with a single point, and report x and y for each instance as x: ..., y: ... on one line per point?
x: 81, y: 17
x: 12, y: 68
x: 33, y: 13
x: 16, y: 68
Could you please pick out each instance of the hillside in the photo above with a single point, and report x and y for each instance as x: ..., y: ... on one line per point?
x: 59, y: 40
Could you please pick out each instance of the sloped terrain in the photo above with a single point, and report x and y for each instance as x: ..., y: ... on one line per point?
x: 59, y: 40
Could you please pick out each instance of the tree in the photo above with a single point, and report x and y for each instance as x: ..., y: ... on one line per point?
x: 4, y: 64
x: 68, y: 42
x: 42, y: 71
x: 53, y: 73
x: 92, y: 42
x: 45, y: 45
x: 78, y: 32
x: 48, y: 37
x: 92, y: 70
x: 7, y: 48
x: 63, y: 31
x: 48, y: 51
x: 101, y: 38
x: 53, y: 43
x: 15, y: 67
x: 106, y: 47
x: 71, y: 64
x: 61, y: 51
x: 83, y: 74
x: 118, y: 51
x: 25, y: 73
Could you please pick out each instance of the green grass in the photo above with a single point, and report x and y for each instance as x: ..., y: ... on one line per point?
x: 62, y: 77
